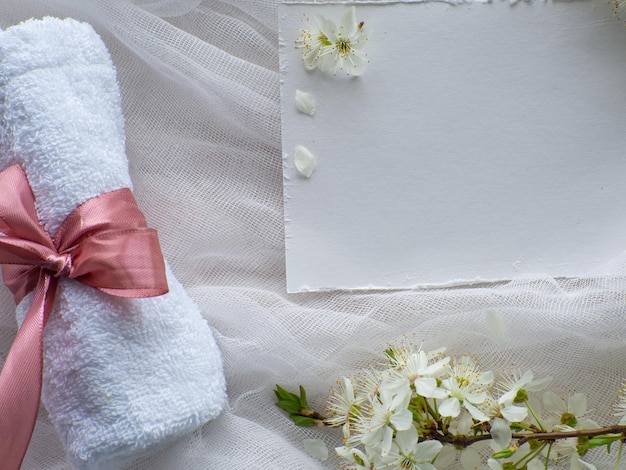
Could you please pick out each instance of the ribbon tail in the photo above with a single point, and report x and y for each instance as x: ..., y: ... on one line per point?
x: 21, y: 378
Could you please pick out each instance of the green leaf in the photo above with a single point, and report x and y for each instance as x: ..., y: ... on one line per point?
x: 604, y: 440
x: 289, y: 406
x: 303, y: 402
x: 503, y: 454
x: 303, y: 421
x: 283, y: 394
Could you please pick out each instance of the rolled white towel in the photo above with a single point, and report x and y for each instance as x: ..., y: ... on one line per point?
x: 121, y: 376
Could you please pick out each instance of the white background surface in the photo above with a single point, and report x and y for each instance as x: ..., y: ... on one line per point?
x: 482, y: 142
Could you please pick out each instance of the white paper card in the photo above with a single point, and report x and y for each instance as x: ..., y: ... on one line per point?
x: 482, y: 142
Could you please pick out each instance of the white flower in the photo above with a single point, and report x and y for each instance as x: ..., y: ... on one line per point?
x: 305, y: 102
x: 389, y: 412
x: 312, y: 41
x: 416, y: 367
x: 408, y: 454
x: 467, y: 387
x: 332, y: 47
x: 567, y: 447
x: 511, y: 413
x: 469, y: 456
x: 512, y: 384
x: 367, y: 383
x: 359, y: 460
x: 344, y: 405
x: 570, y: 414
x: 304, y: 161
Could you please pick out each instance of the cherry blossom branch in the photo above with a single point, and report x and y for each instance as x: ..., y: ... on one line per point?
x: 466, y: 440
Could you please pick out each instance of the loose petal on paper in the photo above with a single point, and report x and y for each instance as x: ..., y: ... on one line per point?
x: 316, y: 448
x: 305, y: 161
x: 305, y: 102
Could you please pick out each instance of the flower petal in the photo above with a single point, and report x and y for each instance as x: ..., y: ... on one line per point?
x: 386, y: 442
x: 311, y: 59
x: 552, y: 402
x: 501, y: 433
x: 427, y: 450
x: 450, y: 407
x: 514, y: 414
x: 535, y: 464
x: 348, y: 24
x: 304, y: 161
x: 577, y: 404
x: 447, y: 457
x: 354, y: 65
x: 327, y: 27
x: 470, y: 459
x: 315, y: 448
x: 305, y: 102
x: 402, y: 419
x: 475, y: 412
x: 496, y: 324
x: 539, y: 384
x: 407, y: 440
x: 427, y: 387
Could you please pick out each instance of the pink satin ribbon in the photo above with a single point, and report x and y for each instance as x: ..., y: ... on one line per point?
x: 105, y: 243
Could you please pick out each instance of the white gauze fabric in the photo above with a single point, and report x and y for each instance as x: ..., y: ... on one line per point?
x: 200, y: 93
x: 121, y: 376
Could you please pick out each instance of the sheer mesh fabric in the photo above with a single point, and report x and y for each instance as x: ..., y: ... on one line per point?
x: 200, y: 88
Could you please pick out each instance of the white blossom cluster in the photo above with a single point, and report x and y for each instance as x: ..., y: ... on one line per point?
x: 333, y: 47
x: 400, y: 417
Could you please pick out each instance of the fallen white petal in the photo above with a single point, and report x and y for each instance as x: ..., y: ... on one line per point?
x: 496, y: 324
x: 305, y: 102
x: 316, y: 448
x: 304, y: 160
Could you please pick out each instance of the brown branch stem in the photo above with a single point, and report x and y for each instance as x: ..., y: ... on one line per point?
x: 466, y: 441
x: 556, y: 435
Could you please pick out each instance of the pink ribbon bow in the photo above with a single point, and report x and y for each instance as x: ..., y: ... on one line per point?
x: 105, y: 243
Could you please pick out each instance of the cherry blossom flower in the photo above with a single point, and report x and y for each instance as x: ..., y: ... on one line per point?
x: 331, y: 47
x: 570, y: 414
x: 407, y: 453
x: 514, y: 383
x: 389, y: 413
x: 466, y: 386
x: 344, y: 405
x: 421, y: 373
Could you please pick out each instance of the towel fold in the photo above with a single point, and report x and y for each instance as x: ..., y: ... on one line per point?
x: 121, y: 376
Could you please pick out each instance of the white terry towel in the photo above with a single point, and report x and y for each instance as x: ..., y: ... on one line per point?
x: 121, y: 376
